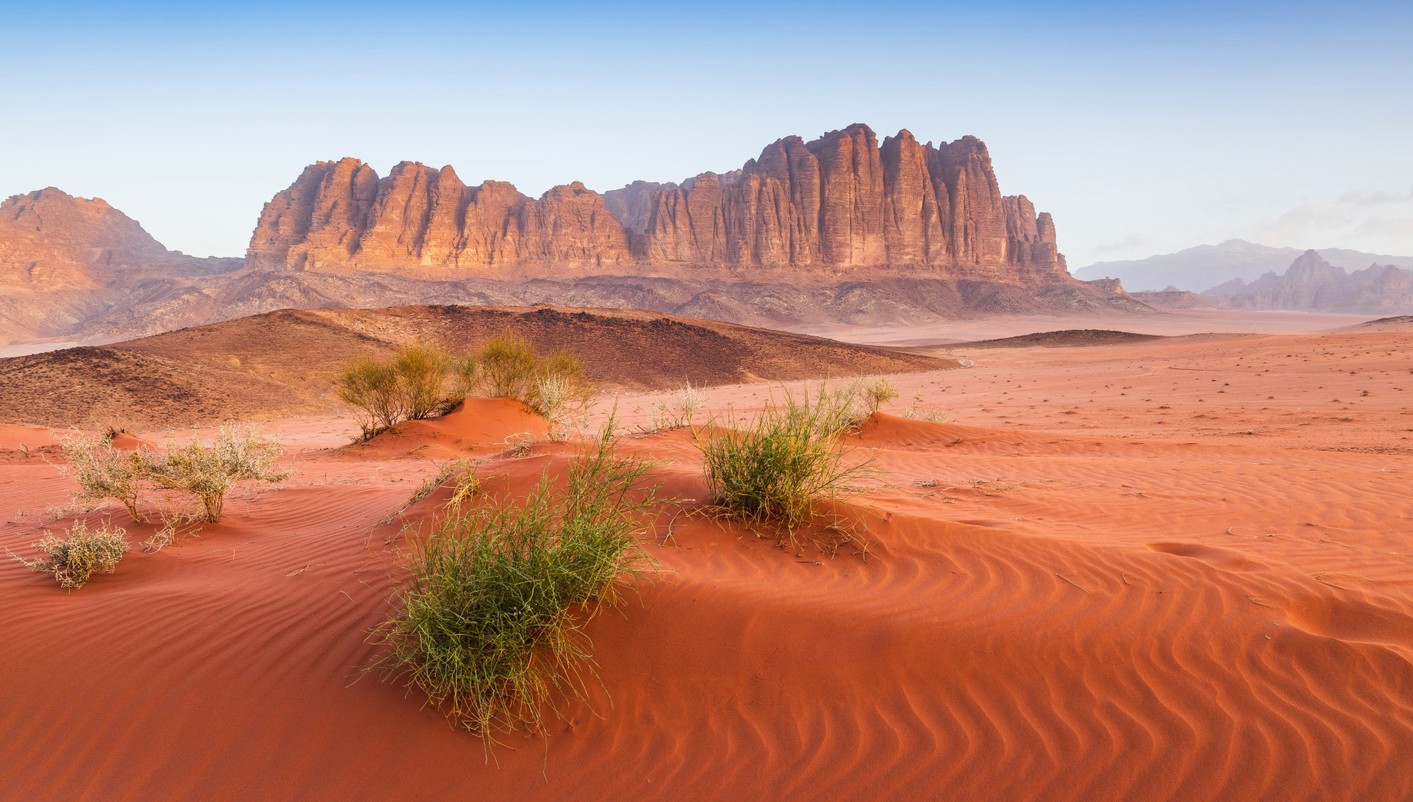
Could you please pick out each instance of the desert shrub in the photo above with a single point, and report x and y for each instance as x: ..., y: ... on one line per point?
x: 421, y: 376
x: 372, y: 387
x: 79, y: 555
x: 778, y: 468
x: 877, y: 393
x: 492, y: 623
x: 508, y: 366
x: 680, y: 411
x: 209, y: 472
x: 466, y: 374
x: 103, y: 472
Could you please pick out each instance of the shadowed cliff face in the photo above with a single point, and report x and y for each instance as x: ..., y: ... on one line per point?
x: 840, y: 205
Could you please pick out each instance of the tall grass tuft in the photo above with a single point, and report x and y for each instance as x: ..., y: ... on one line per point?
x: 79, y: 555
x: 789, y: 459
x: 491, y: 626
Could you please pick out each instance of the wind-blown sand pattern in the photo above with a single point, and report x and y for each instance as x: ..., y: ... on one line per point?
x: 1123, y: 572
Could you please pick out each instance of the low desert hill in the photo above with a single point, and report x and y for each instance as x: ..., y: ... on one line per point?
x: 283, y: 363
x: 1068, y: 338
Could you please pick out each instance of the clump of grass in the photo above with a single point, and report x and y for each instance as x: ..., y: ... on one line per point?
x: 682, y: 412
x: 877, y: 393
x: 779, y: 468
x: 492, y: 624
x: 103, y: 472
x: 79, y: 555
x: 209, y: 472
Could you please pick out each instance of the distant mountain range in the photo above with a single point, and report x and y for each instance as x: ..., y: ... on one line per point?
x: 1206, y: 266
x: 843, y: 228
x: 1312, y: 283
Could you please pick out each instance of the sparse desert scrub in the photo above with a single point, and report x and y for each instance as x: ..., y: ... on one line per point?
x: 780, y: 467
x: 682, y: 411
x: 421, y: 377
x: 80, y: 554
x: 103, y: 473
x: 371, y: 387
x: 507, y: 366
x: 876, y: 393
x: 209, y: 472
x: 491, y: 625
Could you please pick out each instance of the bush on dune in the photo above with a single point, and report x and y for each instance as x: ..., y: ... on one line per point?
x: 209, y: 472
x: 103, y: 473
x: 778, y: 469
x: 79, y: 555
x: 492, y: 623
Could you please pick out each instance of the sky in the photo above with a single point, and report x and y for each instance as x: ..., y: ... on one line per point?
x: 1144, y: 128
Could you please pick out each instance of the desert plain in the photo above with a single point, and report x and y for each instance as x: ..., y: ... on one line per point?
x: 1164, y: 565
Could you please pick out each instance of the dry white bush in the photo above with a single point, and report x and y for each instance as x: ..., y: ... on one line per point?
x: 80, y: 554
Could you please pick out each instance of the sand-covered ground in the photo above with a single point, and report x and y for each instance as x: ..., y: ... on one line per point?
x: 1163, y: 569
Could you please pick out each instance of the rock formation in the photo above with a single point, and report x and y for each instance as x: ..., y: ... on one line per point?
x: 840, y: 206
x: 50, y: 240
x: 1311, y: 283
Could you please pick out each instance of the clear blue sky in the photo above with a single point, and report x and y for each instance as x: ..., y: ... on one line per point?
x: 1144, y: 129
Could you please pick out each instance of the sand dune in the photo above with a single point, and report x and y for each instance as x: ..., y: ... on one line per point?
x: 283, y: 363
x: 1127, y: 602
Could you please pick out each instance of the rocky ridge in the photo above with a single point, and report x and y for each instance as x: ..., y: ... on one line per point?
x: 841, y: 205
x: 1311, y: 283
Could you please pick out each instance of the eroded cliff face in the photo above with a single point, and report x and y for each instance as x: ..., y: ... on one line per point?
x: 842, y: 205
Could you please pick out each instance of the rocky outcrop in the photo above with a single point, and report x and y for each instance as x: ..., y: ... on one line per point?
x: 1311, y: 283
x: 50, y: 239
x: 842, y: 205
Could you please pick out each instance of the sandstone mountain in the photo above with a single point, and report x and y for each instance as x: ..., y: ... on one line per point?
x: 1203, y: 267
x: 1311, y: 283
x: 840, y: 229
x: 65, y: 261
x: 840, y: 206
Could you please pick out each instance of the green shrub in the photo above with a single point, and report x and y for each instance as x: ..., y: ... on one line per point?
x: 492, y: 623
x: 877, y: 393
x: 79, y: 555
x: 466, y: 374
x: 508, y: 366
x: 373, y: 388
x: 790, y: 458
x: 421, y: 376
x: 103, y: 472
x: 209, y: 472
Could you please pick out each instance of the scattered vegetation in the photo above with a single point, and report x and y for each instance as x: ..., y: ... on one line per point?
x: 877, y: 393
x: 424, y: 381
x: 777, y: 469
x: 83, y: 552
x: 209, y: 472
x: 492, y: 624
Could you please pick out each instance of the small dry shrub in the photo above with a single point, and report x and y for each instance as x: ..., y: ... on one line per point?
x: 103, y: 472
x: 681, y: 412
x: 80, y: 554
x: 508, y: 366
x: 877, y: 393
x: 209, y: 472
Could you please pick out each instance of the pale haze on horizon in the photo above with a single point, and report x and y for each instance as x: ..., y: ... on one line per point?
x: 1143, y: 130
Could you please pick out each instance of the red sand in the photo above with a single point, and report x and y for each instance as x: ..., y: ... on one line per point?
x: 1126, y: 602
